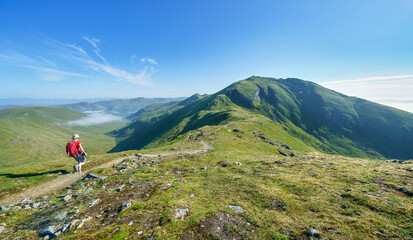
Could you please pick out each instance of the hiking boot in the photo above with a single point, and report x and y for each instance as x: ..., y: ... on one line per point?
x: 75, y: 168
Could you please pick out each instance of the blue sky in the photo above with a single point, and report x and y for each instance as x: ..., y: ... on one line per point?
x: 126, y: 49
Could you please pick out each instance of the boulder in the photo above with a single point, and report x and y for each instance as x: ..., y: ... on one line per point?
x: 282, y: 152
x: 26, y: 207
x: 24, y: 200
x: 50, y: 230
x: 91, y: 176
x: 61, y: 215
x: 180, y: 213
x: 285, y: 146
x: 314, y: 233
x: 4, y: 208
x: 166, y: 187
x: 36, y: 204
x: 125, y: 206
x: 82, y: 222
x: 65, y: 227
x: 119, y: 188
x: 94, y: 202
x: 2, y: 229
x: 67, y: 198
x: 73, y: 223
x: 237, y: 209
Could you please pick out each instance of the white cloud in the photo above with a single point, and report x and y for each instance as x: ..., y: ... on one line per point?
x: 133, y: 58
x: 368, y: 79
x: 395, y: 91
x: 149, y: 60
x: 140, y: 78
x: 61, y: 60
x: 77, y: 48
x: 94, y: 118
x: 46, y: 68
x: 94, y: 42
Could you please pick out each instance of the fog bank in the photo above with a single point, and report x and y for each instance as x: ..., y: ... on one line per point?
x: 94, y: 118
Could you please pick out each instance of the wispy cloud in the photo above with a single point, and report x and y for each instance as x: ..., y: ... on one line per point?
x: 94, y: 42
x: 133, y: 58
x: 55, y: 61
x: 77, y: 48
x: 395, y: 91
x: 44, y: 67
x: 368, y: 79
x: 149, y: 60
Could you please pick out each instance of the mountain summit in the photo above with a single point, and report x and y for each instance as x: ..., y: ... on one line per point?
x: 316, y: 116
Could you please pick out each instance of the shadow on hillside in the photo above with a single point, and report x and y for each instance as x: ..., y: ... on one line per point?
x: 11, y: 175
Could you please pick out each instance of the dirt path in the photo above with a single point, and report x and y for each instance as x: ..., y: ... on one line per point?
x: 68, y: 179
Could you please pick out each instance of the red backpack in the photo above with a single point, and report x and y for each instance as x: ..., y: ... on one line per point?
x: 71, y: 149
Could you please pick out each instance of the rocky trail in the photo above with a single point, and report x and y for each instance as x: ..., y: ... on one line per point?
x: 68, y: 179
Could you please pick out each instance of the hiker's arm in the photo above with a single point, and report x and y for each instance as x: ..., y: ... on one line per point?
x: 81, y: 149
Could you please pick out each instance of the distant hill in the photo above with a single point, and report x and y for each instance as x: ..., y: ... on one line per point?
x: 118, y: 107
x: 159, y: 110
x: 41, y: 102
x: 321, y: 118
x: 49, y: 114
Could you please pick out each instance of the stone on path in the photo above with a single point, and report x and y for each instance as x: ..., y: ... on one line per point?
x: 91, y: 176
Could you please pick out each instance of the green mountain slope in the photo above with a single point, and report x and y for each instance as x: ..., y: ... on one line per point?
x: 321, y: 118
x: 346, y: 125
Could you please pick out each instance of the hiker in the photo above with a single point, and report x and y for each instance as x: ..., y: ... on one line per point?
x: 74, y: 149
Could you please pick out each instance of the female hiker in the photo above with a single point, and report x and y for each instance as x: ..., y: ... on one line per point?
x: 74, y: 149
